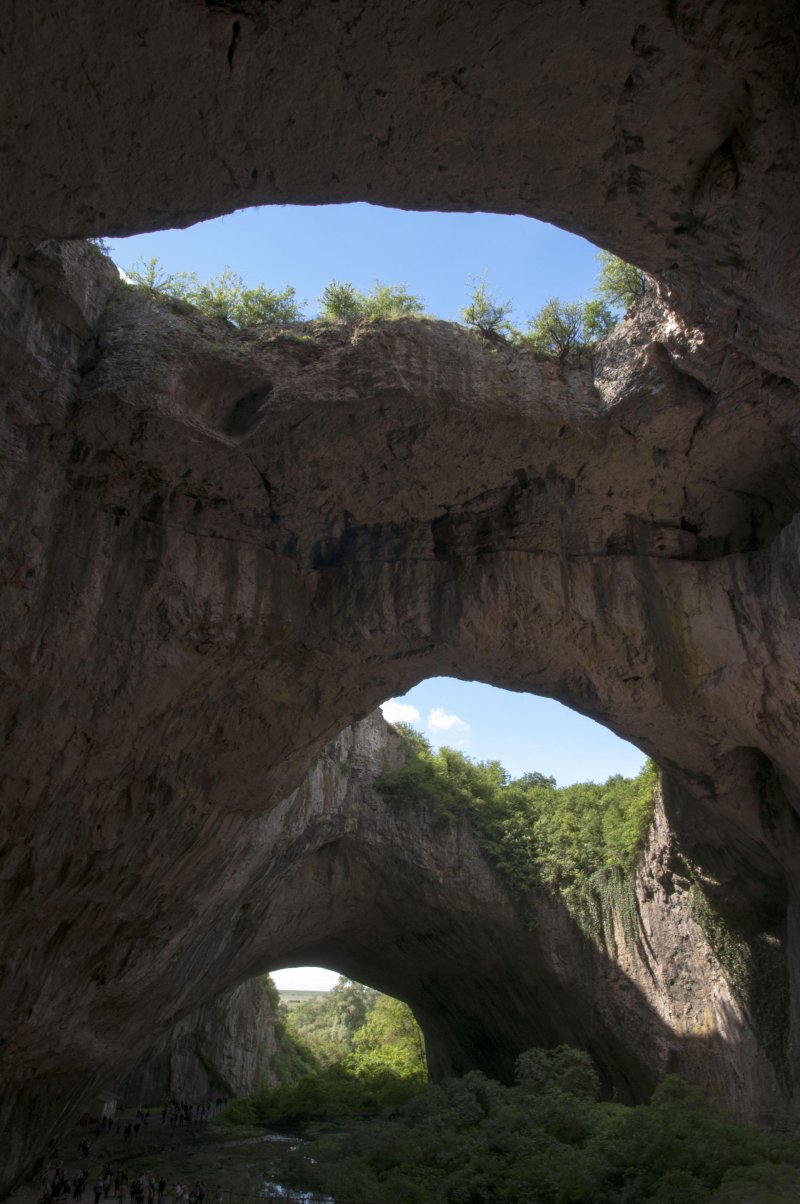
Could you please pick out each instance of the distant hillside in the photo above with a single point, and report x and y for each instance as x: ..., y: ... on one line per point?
x: 293, y: 999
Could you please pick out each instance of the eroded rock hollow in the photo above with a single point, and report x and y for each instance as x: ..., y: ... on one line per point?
x: 223, y: 546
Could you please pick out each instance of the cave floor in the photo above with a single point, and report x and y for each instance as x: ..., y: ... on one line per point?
x: 239, y: 1160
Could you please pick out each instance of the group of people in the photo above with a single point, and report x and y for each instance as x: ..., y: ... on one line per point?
x: 125, y: 1128
x: 178, y: 1112
x: 114, y: 1183
x: 64, y: 1187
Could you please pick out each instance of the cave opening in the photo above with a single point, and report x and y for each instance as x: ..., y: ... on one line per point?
x: 526, y: 733
x: 437, y: 256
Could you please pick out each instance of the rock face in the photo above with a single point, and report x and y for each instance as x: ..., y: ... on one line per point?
x: 487, y: 980
x: 220, y: 548
x: 664, y: 131
x: 229, y: 1047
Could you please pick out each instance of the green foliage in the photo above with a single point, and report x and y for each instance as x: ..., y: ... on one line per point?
x: 485, y: 313
x: 360, y: 1051
x: 239, y: 1112
x: 360, y: 1029
x: 547, y: 1141
x: 596, y: 320
x: 389, y: 1040
x: 564, y: 326
x: 326, y: 1024
x: 148, y: 274
x: 342, y: 302
x: 330, y: 1093
x: 557, y: 328
x: 224, y: 296
x: 620, y: 285
x: 580, y: 841
x: 754, y: 966
x: 562, y: 1069
x: 561, y: 327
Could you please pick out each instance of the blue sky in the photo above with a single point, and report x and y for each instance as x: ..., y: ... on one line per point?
x: 433, y: 254
x: 522, y: 731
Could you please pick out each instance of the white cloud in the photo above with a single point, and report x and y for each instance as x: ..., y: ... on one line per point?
x: 399, y: 712
x: 440, y: 721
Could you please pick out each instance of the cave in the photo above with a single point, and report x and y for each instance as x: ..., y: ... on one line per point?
x: 222, y: 548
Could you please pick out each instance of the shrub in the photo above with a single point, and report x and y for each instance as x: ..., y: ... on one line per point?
x: 342, y: 302
x: 561, y: 1069
x: 224, y: 296
x: 485, y: 313
x: 537, y: 834
x: 149, y: 275
x: 620, y: 285
x: 563, y: 326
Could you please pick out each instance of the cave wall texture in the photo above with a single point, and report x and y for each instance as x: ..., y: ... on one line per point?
x: 227, y: 1048
x: 222, y: 547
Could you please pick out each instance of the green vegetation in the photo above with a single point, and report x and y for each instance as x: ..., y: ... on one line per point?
x: 580, y: 840
x: 326, y: 1024
x: 332, y: 1093
x: 357, y: 1050
x: 754, y: 966
x: 620, y: 285
x: 224, y: 296
x: 563, y: 326
x: 359, y: 1029
x: 559, y: 328
x: 546, y: 1140
x: 390, y: 1041
x: 343, y: 302
x: 485, y: 314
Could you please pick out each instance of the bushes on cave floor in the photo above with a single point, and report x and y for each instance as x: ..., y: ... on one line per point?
x: 547, y: 1140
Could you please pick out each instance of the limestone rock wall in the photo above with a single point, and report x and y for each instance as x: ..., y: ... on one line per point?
x: 224, y: 546
x: 494, y: 982
x: 228, y: 1047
